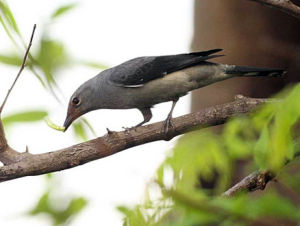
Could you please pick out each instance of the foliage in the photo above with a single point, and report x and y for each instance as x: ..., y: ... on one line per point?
x: 47, y: 61
x: 27, y: 116
x: 60, y: 209
x: 266, y: 140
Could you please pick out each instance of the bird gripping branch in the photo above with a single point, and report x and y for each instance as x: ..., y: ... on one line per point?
x: 145, y: 81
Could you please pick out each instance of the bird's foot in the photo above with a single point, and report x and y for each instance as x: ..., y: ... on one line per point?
x: 127, y: 129
x: 167, y: 124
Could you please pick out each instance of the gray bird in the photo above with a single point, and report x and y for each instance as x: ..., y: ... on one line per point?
x: 145, y: 81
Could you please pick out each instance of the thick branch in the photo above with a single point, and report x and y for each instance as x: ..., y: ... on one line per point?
x: 285, y: 6
x: 27, y: 164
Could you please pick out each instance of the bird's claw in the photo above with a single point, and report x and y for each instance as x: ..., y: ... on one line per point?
x: 127, y: 129
x: 168, y: 123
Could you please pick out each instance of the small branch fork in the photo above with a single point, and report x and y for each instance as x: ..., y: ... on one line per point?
x: 285, y: 6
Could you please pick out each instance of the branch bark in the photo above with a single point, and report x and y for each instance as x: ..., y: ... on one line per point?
x: 25, y: 164
x: 255, y: 181
x: 285, y: 6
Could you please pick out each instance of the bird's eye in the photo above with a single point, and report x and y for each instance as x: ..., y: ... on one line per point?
x: 75, y: 101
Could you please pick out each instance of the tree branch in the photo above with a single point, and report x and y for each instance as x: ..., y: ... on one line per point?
x: 255, y: 181
x: 25, y: 164
x: 258, y: 180
x: 285, y: 6
x: 7, y: 154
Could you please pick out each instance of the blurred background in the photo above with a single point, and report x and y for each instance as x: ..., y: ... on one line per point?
x: 73, y: 47
x: 74, y: 41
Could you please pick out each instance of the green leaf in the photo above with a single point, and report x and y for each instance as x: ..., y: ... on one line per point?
x: 65, y: 208
x: 94, y: 65
x: 54, y: 126
x: 88, y: 124
x: 11, y: 60
x: 27, y: 116
x: 7, y: 30
x: 42, y: 206
x: 76, y: 205
x: 62, y: 10
x: 51, y: 57
x: 79, y: 130
x: 262, y: 148
x: 9, y: 16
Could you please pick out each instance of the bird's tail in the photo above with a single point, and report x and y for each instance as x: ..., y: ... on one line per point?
x: 253, y: 71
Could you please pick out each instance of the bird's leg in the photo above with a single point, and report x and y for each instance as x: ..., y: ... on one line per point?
x: 168, y: 121
x: 147, y: 114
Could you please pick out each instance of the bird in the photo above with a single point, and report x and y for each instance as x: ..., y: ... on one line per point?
x: 143, y: 82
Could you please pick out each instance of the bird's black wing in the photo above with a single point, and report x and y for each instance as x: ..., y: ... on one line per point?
x: 139, y: 71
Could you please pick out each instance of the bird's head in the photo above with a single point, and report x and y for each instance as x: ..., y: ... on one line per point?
x: 80, y: 103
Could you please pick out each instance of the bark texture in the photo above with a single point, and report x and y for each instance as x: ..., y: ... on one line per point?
x: 25, y: 164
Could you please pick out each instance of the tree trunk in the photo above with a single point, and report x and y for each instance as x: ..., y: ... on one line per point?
x: 250, y: 34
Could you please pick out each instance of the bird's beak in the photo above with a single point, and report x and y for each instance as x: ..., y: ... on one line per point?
x: 67, y: 123
x: 71, y: 116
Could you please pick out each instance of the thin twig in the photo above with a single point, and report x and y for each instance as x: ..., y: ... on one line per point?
x: 255, y: 181
x: 20, y: 71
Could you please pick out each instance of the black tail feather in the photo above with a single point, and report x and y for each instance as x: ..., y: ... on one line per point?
x: 205, y: 53
x: 254, y: 71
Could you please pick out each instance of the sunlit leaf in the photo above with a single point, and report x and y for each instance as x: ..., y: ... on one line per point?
x: 51, y: 56
x: 94, y: 65
x: 7, y: 30
x: 270, y: 136
x: 53, y: 125
x: 62, y: 10
x: 59, y: 214
x: 79, y: 130
x: 261, y: 148
x: 88, y: 124
x: 9, y: 16
x: 42, y: 206
x: 76, y: 205
x: 11, y: 60
x: 26, y: 116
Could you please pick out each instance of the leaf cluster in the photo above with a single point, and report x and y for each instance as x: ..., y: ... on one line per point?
x: 202, y: 165
x: 59, y: 209
x: 49, y: 58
